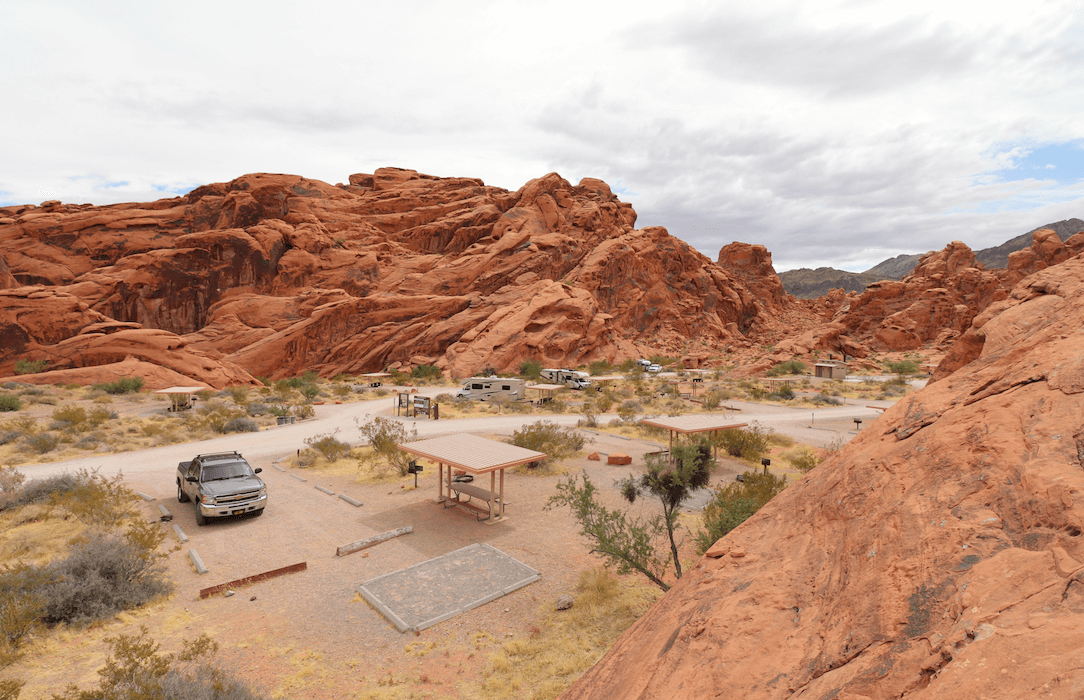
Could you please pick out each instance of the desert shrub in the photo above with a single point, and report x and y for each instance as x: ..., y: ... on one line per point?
x: 30, y: 390
x: 425, y: 372
x: 10, y: 402
x: 590, y: 413
x: 823, y: 400
x: 309, y: 391
x: 128, y: 385
x: 675, y: 407
x: 214, y: 415
x: 891, y: 391
x: 241, y: 425
x: 599, y: 367
x: 381, y: 392
x: 41, y: 443
x: 444, y: 398
x: 556, y: 406
x: 745, y: 443
x: 546, y: 436
x: 341, y: 390
x: 136, y: 671
x: 783, y: 393
x: 257, y: 409
x: 902, y: 367
x: 802, y: 458
x: 239, y: 394
x: 41, y: 490
x: 328, y: 445
x: 88, y: 442
x: 97, y: 416
x: 384, y: 435
x: 9, y: 436
x: 69, y: 416
x: 780, y: 440
x: 96, y: 500
x: 712, y: 399
x: 30, y: 366
x: 788, y: 367
x: 530, y: 369
x: 628, y: 410
x: 733, y: 504
x: 303, y: 411
x: 604, y: 402
x: 99, y: 578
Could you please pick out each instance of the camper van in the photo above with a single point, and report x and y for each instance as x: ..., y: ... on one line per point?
x: 487, y: 388
x: 568, y: 377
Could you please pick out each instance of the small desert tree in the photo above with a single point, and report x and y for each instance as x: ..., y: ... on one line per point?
x: 735, y: 503
x: 384, y: 435
x: 633, y: 543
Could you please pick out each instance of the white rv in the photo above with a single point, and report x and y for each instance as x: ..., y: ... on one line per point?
x: 487, y: 388
x: 568, y: 377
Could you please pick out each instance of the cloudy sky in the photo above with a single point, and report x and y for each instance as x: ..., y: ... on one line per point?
x: 833, y: 133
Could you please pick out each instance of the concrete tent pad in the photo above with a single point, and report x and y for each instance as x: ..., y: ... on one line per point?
x: 474, y: 455
x: 422, y: 595
x: 692, y: 424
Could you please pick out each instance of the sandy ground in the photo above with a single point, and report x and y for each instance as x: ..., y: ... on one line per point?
x: 308, y: 634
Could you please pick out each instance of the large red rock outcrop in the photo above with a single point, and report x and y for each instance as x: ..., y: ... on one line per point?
x: 938, y: 555
x: 947, y: 289
x: 279, y: 274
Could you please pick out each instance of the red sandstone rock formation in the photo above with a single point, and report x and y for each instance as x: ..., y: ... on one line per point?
x: 938, y: 555
x: 278, y: 274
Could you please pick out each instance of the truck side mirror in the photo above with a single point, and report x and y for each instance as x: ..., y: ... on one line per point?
x: 191, y: 479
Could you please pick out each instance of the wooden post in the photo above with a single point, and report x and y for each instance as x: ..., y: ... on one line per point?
x: 502, y: 493
x: 492, y: 492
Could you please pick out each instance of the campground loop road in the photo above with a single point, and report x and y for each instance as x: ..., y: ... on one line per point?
x: 829, y: 424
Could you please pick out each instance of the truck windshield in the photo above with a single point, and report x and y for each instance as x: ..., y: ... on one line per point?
x: 232, y: 470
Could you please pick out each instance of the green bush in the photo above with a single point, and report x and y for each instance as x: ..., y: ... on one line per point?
x: 733, y: 504
x: 546, y: 436
x: 902, y: 367
x: 783, y: 393
x: 70, y: 416
x: 425, y: 372
x: 128, y: 385
x: 599, y: 367
x: 745, y: 443
x: 530, y: 369
x: 788, y: 367
x: 628, y: 410
x: 10, y: 402
x: 384, y: 436
x: 30, y: 366
x: 802, y: 458
x: 309, y: 391
x: 328, y: 445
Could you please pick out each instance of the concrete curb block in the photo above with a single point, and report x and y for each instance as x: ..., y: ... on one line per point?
x: 166, y: 515
x: 299, y: 478
x: 384, y: 610
x: 278, y: 467
x: 351, y: 501
x: 200, y: 568
x: 345, y: 549
x: 181, y: 537
x: 327, y: 491
x: 144, y: 496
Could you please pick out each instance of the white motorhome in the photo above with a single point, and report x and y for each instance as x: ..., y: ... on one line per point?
x: 488, y: 388
x: 569, y: 377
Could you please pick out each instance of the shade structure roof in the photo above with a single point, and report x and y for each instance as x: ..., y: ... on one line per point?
x: 180, y: 390
x: 471, y: 453
x: 546, y: 387
x: 375, y: 374
x: 608, y: 378
x: 693, y: 423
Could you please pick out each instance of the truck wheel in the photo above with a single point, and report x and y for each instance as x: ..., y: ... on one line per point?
x: 201, y: 520
x: 182, y: 497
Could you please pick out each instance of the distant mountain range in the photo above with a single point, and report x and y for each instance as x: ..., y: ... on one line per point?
x: 810, y: 284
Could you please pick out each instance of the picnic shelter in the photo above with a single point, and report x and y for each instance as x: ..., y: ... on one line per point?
x: 693, y: 423
x: 475, y: 456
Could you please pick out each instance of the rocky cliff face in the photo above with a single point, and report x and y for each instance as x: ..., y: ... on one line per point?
x: 272, y: 275
x: 938, y: 555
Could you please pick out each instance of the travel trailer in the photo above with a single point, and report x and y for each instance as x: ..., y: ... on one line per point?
x: 488, y: 388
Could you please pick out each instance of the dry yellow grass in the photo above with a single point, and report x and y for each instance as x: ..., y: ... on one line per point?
x: 36, y: 534
x: 566, y: 643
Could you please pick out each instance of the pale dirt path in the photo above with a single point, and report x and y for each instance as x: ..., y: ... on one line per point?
x: 818, y: 427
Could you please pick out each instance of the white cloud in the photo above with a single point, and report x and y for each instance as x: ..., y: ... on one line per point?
x: 837, y: 133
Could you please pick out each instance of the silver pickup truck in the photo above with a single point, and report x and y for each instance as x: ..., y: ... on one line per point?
x: 220, y: 484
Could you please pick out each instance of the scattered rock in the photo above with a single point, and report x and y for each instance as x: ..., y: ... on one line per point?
x: 618, y: 458
x: 564, y: 602
x: 594, y: 456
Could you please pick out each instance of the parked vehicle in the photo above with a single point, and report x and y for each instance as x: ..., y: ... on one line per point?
x: 489, y: 388
x: 569, y: 377
x: 221, y: 484
x: 653, y: 368
x: 644, y: 363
